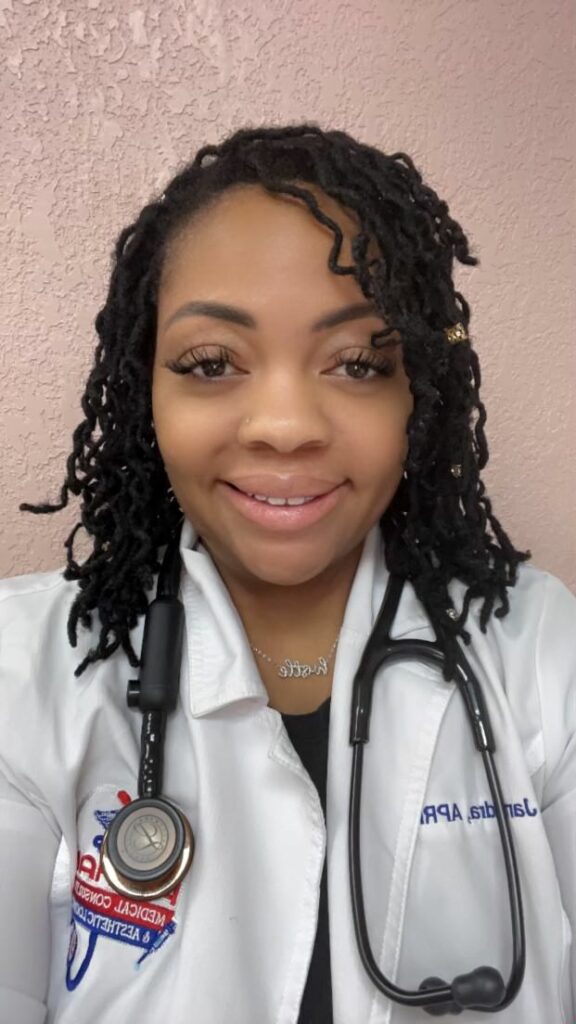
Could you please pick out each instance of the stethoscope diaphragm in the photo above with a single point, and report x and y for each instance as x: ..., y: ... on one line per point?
x: 147, y: 849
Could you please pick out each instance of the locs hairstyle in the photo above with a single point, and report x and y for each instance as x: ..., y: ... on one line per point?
x: 440, y: 523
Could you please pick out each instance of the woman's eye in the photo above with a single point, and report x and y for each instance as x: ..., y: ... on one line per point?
x: 211, y: 364
x: 366, y: 366
x: 203, y: 364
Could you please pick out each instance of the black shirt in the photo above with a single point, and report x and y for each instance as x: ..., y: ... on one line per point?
x: 309, y: 736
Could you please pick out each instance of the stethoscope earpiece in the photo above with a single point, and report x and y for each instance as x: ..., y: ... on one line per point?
x: 147, y: 849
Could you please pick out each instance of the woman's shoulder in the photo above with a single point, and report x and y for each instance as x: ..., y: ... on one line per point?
x: 538, y: 583
x: 531, y: 650
x: 34, y: 611
x: 531, y: 647
x: 30, y: 604
x: 35, y: 651
x: 543, y: 611
x: 46, y: 710
x: 535, y: 600
x: 542, y: 599
x: 32, y: 584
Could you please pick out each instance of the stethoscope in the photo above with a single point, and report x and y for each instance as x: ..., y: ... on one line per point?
x: 148, y: 847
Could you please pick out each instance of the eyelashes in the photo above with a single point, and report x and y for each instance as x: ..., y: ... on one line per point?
x: 213, y: 364
x: 199, y: 358
x: 368, y: 361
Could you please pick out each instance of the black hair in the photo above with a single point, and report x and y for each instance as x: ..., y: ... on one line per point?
x: 440, y: 523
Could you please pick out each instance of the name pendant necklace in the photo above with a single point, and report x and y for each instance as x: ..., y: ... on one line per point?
x: 289, y: 668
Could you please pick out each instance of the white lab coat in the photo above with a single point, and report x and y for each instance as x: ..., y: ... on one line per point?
x: 234, y: 946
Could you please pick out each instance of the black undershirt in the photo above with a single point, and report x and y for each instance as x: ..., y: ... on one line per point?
x: 309, y: 736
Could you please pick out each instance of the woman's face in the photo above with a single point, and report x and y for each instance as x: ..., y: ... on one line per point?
x: 278, y: 407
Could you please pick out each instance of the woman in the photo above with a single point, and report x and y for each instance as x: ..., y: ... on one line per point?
x: 284, y: 391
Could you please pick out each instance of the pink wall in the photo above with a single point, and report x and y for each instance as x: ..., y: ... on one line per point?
x: 102, y: 100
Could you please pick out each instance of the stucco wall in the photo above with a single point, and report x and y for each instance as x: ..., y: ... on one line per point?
x: 103, y: 99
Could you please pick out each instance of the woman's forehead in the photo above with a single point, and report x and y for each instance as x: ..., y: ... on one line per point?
x: 249, y: 224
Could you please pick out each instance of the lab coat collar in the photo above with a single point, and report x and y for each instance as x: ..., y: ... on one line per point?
x: 221, y: 666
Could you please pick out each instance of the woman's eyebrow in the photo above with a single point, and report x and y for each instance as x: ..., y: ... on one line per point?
x: 221, y: 311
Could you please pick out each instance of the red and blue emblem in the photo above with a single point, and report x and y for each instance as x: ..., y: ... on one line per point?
x: 100, y: 913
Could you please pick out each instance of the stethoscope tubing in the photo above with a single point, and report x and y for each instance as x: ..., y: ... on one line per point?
x: 381, y: 651
x: 514, y: 891
x: 156, y: 694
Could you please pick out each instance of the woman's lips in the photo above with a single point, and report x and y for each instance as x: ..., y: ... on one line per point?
x: 287, y: 518
x: 283, y: 485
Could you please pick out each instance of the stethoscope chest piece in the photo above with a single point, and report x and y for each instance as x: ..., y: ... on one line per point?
x: 147, y: 849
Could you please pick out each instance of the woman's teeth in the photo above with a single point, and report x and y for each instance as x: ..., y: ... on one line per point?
x: 280, y: 501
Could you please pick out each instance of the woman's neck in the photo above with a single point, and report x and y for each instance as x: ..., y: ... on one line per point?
x: 295, y: 696
x: 298, y: 624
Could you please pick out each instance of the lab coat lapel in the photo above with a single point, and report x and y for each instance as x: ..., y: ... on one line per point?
x: 409, y: 703
x: 261, y: 834
x: 408, y: 707
x: 221, y: 668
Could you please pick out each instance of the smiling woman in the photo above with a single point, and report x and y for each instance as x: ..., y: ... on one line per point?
x: 283, y: 440
x: 267, y: 356
x: 287, y: 228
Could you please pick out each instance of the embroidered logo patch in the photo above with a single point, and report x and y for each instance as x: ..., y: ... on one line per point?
x: 100, y: 913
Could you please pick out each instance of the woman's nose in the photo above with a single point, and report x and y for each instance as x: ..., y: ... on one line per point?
x: 285, y: 418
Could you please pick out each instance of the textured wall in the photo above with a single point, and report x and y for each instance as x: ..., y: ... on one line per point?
x: 102, y: 99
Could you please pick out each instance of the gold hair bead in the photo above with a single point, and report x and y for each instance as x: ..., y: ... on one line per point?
x: 456, y: 470
x: 456, y: 333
